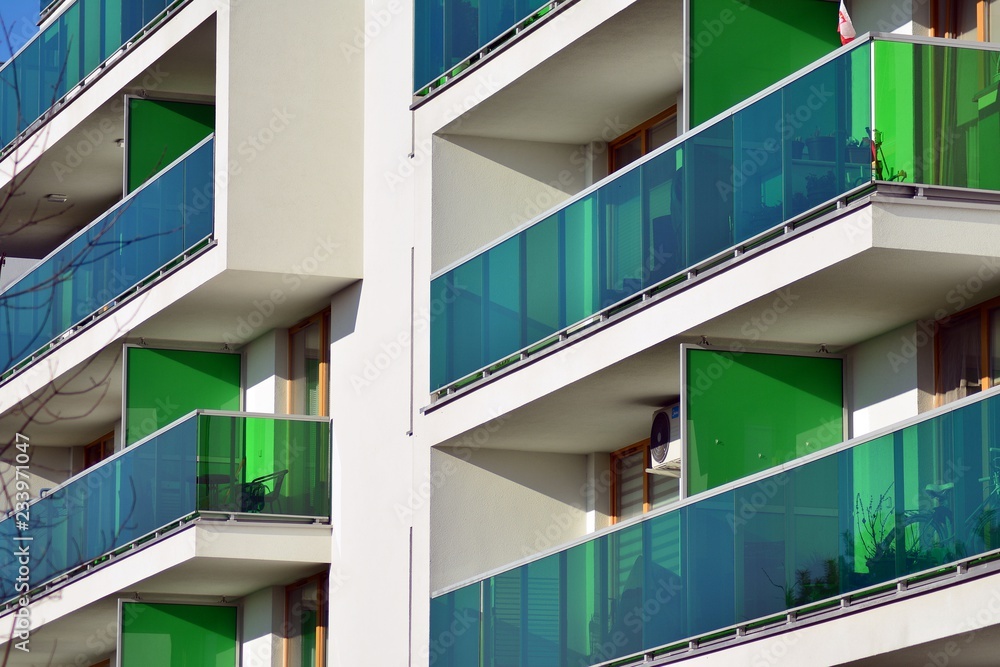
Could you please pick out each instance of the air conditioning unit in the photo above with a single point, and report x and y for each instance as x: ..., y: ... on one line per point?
x: 665, y: 442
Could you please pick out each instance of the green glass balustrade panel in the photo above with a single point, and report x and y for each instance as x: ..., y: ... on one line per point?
x: 177, y: 635
x: 898, y: 504
x: 86, y: 34
x: 170, y: 215
x: 161, y: 131
x: 446, y: 32
x: 748, y: 412
x: 727, y: 64
x: 729, y: 183
x: 263, y: 465
x: 163, y: 385
x: 939, y: 121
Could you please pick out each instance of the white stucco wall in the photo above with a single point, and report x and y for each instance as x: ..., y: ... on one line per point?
x: 261, y: 632
x: 909, y: 17
x: 266, y: 372
x: 491, y: 507
x: 883, y: 379
x: 483, y: 188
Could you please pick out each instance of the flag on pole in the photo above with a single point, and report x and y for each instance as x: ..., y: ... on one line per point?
x: 844, y: 25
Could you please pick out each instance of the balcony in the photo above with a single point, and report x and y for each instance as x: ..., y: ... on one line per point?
x: 473, y: 32
x: 904, y: 501
x: 154, y: 229
x: 736, y: 184
x: 228, y: 464
x: 72, y: 50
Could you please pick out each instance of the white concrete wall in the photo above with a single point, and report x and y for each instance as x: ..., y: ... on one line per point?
x: 905, y: 18
x: 261, y: 630
x: 483, y: 188
x: 48, y: 467
x: 14, y: 268
x: 882, y: 374
x: 292, y: 109
x: 491, y: 507
x: 266, y: 372
x: 373, y: 593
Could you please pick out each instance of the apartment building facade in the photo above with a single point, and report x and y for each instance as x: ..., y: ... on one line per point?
x: 507, y: 333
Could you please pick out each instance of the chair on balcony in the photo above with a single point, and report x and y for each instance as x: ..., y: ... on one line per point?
x: 263, y: 491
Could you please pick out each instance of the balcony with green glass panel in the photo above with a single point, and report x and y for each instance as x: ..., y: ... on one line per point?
x: 900, y: 503
x: 739, y: 182
x: 163, y: 222
x: 227, y: 465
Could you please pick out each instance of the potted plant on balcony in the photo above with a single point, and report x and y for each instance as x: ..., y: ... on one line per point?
x: 822, y: 147
x: 798, y: 148
x: 859, y: 151
x: 821, y: 188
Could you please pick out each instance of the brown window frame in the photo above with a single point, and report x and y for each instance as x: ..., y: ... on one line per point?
x: 616, y: 456
x: 99, y: 445
x: 983, y: 310
x: 323, y: 317
x: 944, y: 19
x: 641, y: 129
x: 322, y: 617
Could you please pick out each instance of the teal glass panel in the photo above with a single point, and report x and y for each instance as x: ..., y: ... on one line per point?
x: 109, y: 507
x: 64, y: 54
x: 939, y: 120
x: 170, y: 215
x: 178, y: 635
x: 446, y: 32
x: 913, y: 500
x: 226, y: 463
x: 795, y: 150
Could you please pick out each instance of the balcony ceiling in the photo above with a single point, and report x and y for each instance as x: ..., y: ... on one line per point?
x: 87, y: 165
x: 616, y: 77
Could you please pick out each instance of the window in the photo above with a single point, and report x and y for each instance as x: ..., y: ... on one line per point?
x: 633, y: 490
x: 972, y: 20
x: 967, y: 352
x: 308, y: 366
x: 646, y: 138
x: 305, y: 622
x: 99, y: 450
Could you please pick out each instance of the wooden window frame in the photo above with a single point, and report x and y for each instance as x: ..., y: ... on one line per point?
x: 323, y: 317
x: 983, y: 310
x: 642, y: 130
x: 99, y: 443
x: 948, y: 11
x: 322, y: 616
x: 616, y: 456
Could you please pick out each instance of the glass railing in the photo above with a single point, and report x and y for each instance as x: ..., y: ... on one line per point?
x: 891, y: 505
x: 205, y: 462
x: 85, y: 35
x: 168, y: 216
x: 733, y: 182
x: 448, y: 32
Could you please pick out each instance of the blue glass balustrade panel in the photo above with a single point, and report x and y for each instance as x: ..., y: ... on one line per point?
x: 169, y: 215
